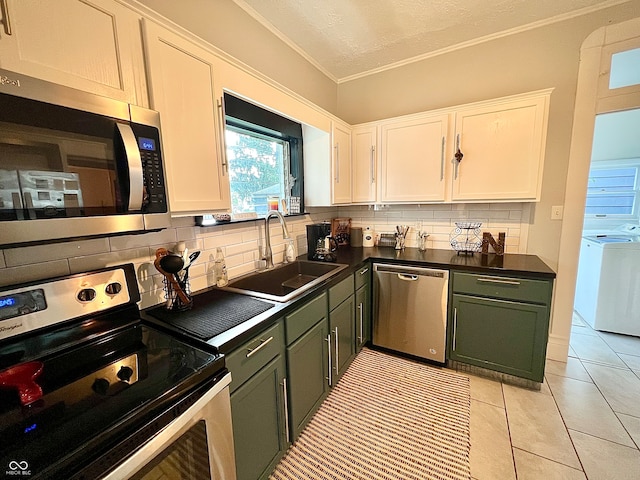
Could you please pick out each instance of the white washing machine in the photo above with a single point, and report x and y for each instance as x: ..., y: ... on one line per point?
x: 608, y: 283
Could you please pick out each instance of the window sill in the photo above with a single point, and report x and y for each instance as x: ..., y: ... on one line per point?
x: 209, y: 221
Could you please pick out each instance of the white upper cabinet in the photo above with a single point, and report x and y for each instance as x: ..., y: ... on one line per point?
x: 363, y: 164
x: 91, y: 45
x: 181, y: 86
x: 412, y: 159
x: 502, y: 146
x: 341, y: 165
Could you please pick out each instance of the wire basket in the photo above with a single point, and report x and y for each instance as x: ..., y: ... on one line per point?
x: 466, y: 238
x: 387, y: 240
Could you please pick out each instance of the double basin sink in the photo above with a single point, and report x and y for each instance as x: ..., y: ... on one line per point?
x: 285, y: 282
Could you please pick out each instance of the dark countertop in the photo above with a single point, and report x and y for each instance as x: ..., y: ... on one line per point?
x: 509, y: 264
x: 529, y: 266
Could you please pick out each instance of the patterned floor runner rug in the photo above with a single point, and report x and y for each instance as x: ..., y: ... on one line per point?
x: 389, y: 418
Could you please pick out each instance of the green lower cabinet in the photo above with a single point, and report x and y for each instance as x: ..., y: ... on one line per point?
x: 363, y: 316
x: 342, y: 329
x: 307, y: 360
x: 502, y: 335
x: 259, y: 425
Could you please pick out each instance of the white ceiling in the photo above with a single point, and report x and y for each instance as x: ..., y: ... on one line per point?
x: 351, y: 38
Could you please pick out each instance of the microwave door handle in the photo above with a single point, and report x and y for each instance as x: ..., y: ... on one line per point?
x: 136, y: 181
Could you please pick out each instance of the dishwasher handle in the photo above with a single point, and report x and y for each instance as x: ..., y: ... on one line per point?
x: 408, y: 273
x: 407, y: 278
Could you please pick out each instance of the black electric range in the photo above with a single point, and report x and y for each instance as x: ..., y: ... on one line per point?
x: 83, y: 381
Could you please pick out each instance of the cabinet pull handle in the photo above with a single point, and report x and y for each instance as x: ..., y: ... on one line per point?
x: 364, y: 271
x: 328, y: 340
x: 455, y: 327
x: 458, y: 155
x: 442, y: 159
x: 373, y: 156
x: 6, y: 20
x: 223, y: 140
x: 251, y: 351
x: 286, y: 409
x: 361, y: 308
x: 337, y: 354
x: 337, y: 163
x: 498, y: 280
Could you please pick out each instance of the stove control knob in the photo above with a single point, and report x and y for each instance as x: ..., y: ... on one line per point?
x: 113, y: 288
x: 125, y: 373
x: 100, y: 386
x: 86, y: 294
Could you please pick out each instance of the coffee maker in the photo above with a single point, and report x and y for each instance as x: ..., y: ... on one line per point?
x: 315, y: 232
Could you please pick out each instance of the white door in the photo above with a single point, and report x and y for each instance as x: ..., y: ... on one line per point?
x: 413, y: 159
x: 363, y: 161
x: 181, y: 88
x: 503, y: 151
x: 341, y: 163
x: 91, y: 45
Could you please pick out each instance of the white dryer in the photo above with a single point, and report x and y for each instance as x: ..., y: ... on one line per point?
x: 608, y: 284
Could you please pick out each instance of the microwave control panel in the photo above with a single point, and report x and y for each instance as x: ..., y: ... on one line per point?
x: 148, y: 138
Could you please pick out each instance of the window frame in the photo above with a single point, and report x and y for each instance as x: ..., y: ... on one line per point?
x: 242, y: 115
x: 612, y: 165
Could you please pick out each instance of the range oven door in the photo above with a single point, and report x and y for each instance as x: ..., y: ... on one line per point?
x: 73, y: 164
x: 198, y: 445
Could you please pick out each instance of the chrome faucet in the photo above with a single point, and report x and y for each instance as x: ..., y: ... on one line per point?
x: 268, y: 254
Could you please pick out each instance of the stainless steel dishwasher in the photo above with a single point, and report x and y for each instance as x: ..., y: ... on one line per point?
x: 410, y: 310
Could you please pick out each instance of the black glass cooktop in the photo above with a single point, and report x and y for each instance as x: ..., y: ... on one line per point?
x: 97, y: 385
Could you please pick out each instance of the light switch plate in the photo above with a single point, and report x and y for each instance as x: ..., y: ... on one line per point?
x: 556, y: 212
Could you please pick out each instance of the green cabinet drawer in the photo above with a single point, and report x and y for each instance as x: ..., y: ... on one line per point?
x: 500, y: 335
x: 362, y: 276
x: 340, y: 292
x: 247, y: 359
x: 305, y: 317
x: 507, y: 288
x: 259, y: 430
x: 308, y: 373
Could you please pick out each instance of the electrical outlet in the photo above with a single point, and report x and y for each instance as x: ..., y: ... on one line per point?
x: 556, y: 212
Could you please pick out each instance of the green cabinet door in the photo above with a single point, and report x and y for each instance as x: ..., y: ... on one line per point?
x: 307, y: 360
x: 363, y: 316
x: 342, y: 326
x: 259, y: 426
x: 501, y: 335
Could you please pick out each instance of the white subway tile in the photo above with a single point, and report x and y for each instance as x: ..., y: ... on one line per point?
x: 136, y: 256
x: 37, y: 271
x: 58, y: 251
x: 186, y: 234
x: 126, y: 242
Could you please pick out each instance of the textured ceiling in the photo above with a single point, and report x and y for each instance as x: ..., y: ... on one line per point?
x: 349, y: 38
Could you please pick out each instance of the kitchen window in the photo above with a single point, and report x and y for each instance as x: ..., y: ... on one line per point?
x: 264, y: 154
x: 613, y: 191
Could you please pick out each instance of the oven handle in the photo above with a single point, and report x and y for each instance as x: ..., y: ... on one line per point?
x: 158, y: 443
x: 134, y: 162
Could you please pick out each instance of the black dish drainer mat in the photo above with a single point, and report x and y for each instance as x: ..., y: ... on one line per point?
x: 213, y: 312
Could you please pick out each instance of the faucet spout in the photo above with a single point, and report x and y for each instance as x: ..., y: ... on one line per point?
x: 268, y: 254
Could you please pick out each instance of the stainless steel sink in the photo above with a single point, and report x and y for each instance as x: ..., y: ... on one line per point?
x: 285, y: 282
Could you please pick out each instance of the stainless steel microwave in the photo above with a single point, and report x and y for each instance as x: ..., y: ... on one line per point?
x: 74, y: 164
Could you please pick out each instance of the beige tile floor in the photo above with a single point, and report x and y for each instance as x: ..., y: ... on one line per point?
x: 584, y: 423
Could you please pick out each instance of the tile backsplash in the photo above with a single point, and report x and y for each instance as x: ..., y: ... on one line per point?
x: 242, y: 242
x: 439, y: 221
